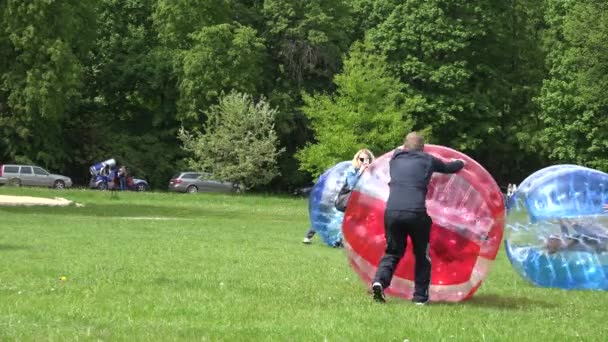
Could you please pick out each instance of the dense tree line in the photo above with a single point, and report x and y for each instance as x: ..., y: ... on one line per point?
x: 516, y: 84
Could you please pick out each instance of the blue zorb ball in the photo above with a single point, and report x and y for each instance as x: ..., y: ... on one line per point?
x: 557, y: 231
x: 324, y: 218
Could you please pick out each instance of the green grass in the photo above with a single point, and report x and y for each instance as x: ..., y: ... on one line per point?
x: 232, y: 268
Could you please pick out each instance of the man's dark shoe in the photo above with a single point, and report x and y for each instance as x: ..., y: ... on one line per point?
x: 420, y: 300
x: 378, y: 292
x: 421, y: 297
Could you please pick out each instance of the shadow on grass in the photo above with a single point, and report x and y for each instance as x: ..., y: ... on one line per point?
x: 507, y: 302
x: 4, y: 247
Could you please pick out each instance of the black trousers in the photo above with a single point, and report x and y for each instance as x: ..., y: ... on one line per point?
x: 398, y: 225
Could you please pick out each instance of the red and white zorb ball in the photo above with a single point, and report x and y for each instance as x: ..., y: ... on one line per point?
x: 468, y: 215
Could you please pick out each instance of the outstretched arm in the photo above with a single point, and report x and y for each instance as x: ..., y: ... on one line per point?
x: 451, y: 167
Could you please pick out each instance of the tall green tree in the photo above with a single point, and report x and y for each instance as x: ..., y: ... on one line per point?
x: 130, y: 93
x: 429, y: 46
x: 475, y: 65
x: 308, y: 38
x: 306, y: 41
x: 176, y: 21
x: 224, y: 57
x: 43, y: 46
x: 370, y: 109
x: 574, y: 106
x: 513, y: 154
x: 371, y: 13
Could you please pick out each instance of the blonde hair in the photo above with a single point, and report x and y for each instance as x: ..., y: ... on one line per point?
x: 357, y: 163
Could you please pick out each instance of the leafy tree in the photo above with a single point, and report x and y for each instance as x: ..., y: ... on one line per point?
x: 477, y: 65
x: 308, y: 38
x: 43, y: 46
x: 129, y: 107
x: 512, y: 154
x: 573, y: 99
x: 370, y: 109
x: 428, y: 44
x: 223, y: 57
x: 239, y: 143
x: 176, y: 21
x: 371, y: 13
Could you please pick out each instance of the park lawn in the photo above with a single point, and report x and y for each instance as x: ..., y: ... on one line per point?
x: 164, y: 267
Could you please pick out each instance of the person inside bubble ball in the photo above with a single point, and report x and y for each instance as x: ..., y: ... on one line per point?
x: 405, y: 215
x: 361, y: 161
x: 579, y: 235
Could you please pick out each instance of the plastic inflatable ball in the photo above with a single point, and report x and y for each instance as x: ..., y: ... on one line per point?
x: 324, y: 218
x: 468, y: 215
x: 557, y: 230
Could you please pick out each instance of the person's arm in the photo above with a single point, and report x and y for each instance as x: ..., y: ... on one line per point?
x: 451, y: 167
x: 351, y: 176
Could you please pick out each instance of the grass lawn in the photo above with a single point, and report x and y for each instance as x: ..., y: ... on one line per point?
x: 163, y: 267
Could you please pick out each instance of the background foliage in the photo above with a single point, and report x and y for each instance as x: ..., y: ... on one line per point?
x: 517, y: 84
x: 238, y: 142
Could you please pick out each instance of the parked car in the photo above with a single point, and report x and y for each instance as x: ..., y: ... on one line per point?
x: 196, y: 181
x: 133, y: 184
x: 31, y: 175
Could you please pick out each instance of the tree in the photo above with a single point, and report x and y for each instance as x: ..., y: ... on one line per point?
x: 476, y: 64
x: 224, y: 57
x: 43, y: 46
x: 176, y: 21
x: 128, y: 110
x: 239, y: 143
x: 371, y: 13
x: 370, y: 109
x: 307, y: 38
x: 522, y: 71
x: 429, y: 46
x: 573, y: 102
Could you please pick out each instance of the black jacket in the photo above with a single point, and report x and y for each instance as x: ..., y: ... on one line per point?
x: 411, y: 173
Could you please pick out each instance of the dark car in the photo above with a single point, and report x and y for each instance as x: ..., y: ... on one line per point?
x: 192, y: 182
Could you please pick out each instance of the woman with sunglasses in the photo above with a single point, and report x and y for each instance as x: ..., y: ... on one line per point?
x: 361, y: 161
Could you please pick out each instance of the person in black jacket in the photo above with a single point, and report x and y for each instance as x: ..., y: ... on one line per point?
x: 405, y: 215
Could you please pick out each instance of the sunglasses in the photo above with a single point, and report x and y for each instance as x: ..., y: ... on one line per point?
x: 363, y: 160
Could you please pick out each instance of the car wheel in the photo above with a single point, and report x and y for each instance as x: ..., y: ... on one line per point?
x: 141, y: 187
x: 14, y: 182
x: 192, y: 189
x: 59, y: 185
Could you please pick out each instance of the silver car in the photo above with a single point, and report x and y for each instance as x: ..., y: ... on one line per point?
x: 195, y: 181
x: 31, y: 175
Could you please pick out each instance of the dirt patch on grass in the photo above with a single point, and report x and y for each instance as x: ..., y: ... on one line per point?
x: 29, y: 201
